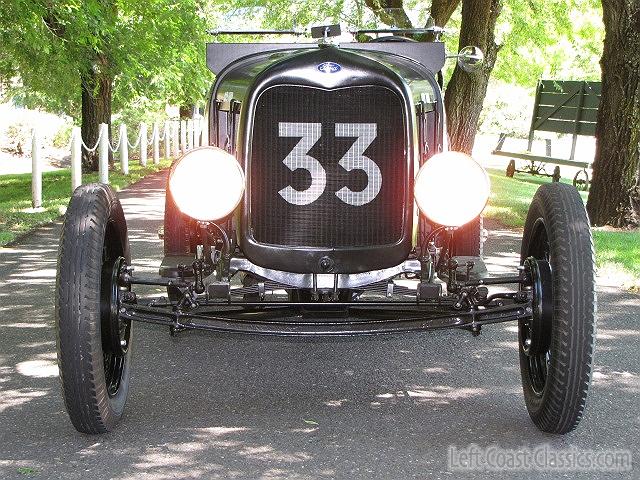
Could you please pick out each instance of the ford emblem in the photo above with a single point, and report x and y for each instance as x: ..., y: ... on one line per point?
x: 329, y: 67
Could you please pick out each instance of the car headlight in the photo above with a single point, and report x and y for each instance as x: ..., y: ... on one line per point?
x: 207, y: 183
x: 451, y: 189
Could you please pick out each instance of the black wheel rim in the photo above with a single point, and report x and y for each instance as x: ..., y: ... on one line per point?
x: 113, y: 370
x: 116, y: 334
x: 537, y: 362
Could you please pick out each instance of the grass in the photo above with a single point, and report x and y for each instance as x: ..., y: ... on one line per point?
x: 15, y: 196
x: 510, y: 197
x: 26, y: 471
x: 617, y: 251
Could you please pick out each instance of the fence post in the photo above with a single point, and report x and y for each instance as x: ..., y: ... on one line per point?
x: 189, y: 134
x: 196, y: 132
x: 183, y: 136
x: 167, y: 140
x: 124, y: 152
x: 76, y: 158
x: 175, y: 127
x: 156, y: 143
x: 103, y: 153
x: 36, y: 171
x: 143, y: 144
x: 204, y: 131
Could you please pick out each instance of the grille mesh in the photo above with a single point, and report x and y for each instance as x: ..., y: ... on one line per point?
x: 327, y: 221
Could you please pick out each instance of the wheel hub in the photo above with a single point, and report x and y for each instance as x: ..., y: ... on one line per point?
x: 115, y: 332
x: 538, y: 339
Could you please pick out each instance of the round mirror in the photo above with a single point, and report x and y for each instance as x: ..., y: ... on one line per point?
x: 470, y: 59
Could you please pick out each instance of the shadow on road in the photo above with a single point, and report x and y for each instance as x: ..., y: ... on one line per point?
x: 225, y: 406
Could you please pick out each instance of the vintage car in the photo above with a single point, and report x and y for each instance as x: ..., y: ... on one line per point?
x: 327, y: 203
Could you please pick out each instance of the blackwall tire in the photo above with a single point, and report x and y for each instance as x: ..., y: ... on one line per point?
x: 94, y: 381
x: 555, y: 382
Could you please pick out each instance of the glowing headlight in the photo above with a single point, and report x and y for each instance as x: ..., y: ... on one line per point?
x: 451, y: 189
x: 207, y: 183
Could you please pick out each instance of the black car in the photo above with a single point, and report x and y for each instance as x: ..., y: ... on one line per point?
x: 327, y: 203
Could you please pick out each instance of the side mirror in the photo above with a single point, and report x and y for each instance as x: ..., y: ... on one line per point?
x: 470, y: 59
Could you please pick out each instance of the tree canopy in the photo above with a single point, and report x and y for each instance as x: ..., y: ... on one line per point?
x: 553, y: 38
x: 153, y: 49
x: 156, y: 47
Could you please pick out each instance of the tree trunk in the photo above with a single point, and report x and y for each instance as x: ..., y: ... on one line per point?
x: 635, y: 198
x: 441, y: 11
x: 96, y: 109
x: 390, y: 12
x: 465, y: 92
x: 615, y: 186
x: 186, y: 111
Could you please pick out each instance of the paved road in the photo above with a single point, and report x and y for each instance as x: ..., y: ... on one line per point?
x: 222, y: 406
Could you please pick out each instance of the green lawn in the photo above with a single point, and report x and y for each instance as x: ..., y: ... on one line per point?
x: 15, y: 196
x: 619, y: 250
x: 616, y: 251
x: 510, y: 197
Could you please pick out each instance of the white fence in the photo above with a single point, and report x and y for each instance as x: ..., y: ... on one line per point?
x: 177, y: 137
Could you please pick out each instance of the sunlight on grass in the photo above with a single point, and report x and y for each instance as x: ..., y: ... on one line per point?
x: 510, y: 197
x: 15, y: 196
x: 618, y: 250
x: 505, y: 215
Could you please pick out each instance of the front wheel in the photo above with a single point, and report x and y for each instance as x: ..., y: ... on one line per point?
x: 94, y: 346
x: 556, y: 346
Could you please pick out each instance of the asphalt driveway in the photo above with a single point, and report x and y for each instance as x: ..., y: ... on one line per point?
x: 225, y: 406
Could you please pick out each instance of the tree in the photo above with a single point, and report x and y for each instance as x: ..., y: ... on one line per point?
x: 466, y: 91
x: 441, y: 11
x: 85, y: 57
x: 390, y: 12
x: 281, y: 14
x: 615, y: 187
x: 548, y: 38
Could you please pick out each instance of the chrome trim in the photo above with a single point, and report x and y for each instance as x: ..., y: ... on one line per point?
x: 323, y: 280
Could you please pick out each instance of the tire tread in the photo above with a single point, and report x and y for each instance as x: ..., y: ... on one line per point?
x: 77, y: 306
x: 573, y: 331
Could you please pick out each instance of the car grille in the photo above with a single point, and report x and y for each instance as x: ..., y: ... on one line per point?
x: 328, y: 221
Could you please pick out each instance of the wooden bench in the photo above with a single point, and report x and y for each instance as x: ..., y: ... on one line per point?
x: 568, y: 107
